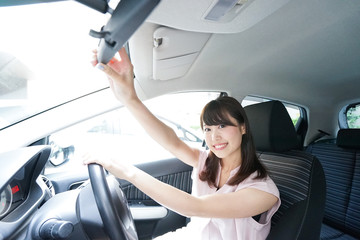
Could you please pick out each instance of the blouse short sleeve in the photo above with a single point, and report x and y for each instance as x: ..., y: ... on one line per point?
x: 232, y: 228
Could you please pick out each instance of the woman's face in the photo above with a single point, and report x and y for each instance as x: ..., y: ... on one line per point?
x: 224, y: 140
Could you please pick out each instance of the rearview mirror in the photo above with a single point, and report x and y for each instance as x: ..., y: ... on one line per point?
x: 125, y: 20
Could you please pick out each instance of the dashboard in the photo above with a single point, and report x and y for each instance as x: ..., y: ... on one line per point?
x: 22, y: 188
x: 29, y: 209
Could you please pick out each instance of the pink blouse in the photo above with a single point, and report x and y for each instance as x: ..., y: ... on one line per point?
x: 233, y: 228
x: 226, y: 228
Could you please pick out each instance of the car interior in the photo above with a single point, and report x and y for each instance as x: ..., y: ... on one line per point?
x: 293, y: 65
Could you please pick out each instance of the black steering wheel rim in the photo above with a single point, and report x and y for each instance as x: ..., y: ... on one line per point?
x: 112, y: 221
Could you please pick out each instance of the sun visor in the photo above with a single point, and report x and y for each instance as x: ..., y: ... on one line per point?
x: 175, y: 51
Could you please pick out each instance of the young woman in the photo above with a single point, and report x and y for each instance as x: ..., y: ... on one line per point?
x: 230, y: 186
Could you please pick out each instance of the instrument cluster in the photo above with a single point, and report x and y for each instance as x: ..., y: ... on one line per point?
x: 11, y: 197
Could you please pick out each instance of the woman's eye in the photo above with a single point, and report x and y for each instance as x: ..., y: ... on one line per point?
x: 206, y: 129
x: 222, y: 125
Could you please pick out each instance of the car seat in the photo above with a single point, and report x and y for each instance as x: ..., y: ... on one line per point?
x: 298, y: 175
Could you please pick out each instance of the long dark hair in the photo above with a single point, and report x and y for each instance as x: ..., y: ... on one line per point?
x: 216, y: 112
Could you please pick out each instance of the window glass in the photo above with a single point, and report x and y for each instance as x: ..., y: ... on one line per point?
x: 117, y: 133
x: 293, y: 110
x: 353, y: 116
x: 44, y: 49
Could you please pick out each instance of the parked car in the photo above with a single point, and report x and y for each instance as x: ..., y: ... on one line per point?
x: 54, y: 106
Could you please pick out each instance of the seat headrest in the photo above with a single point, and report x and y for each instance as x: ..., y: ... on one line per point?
x: 348, y: 138
x: 272, y: 127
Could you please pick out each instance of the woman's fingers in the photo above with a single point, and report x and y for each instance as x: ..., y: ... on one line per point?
x: 120, y: 75
x: 107, y: 70
x: 123, y: 55
x: 87, y: 159
x: 94, y: 60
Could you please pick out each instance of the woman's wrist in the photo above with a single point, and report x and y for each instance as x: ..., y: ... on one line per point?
x: 132, y: 101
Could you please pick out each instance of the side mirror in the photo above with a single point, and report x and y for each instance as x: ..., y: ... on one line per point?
x: 61, y: 155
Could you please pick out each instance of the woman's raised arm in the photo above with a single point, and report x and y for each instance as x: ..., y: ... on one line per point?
x: 121, y: 80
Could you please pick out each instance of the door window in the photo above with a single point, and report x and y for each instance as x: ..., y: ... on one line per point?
x: 294, y: 111
x: 353, y: 116
x: 117, y: 133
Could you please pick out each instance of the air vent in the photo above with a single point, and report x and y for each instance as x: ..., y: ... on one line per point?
x: 49, y: 185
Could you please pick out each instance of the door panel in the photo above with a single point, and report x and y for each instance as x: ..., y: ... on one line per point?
x: 151, y: 219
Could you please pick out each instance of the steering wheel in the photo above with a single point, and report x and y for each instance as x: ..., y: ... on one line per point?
x: 114, y: 211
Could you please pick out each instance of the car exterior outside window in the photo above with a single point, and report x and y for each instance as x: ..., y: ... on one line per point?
x: 353, y: 116
x: 293, y: 110
x: 118, y: 134
x: 33, y: 51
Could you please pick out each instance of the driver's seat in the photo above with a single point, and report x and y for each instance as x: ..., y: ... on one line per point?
x: 298, y: 175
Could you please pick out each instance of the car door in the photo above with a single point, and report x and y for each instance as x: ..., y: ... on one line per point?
x: 152, y: 219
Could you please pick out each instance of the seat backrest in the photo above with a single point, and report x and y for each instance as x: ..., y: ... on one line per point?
x: 298, y: 175
x: 341, y: 163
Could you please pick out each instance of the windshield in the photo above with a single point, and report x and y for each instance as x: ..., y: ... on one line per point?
x: 45, y: 54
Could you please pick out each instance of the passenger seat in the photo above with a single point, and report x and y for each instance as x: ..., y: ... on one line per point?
x: 298, y: 175
x: 341, y: 163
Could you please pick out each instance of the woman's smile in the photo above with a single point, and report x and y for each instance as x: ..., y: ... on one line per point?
x: 220, y: 146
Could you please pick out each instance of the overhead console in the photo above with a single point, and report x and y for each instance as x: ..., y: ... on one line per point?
x: 214, y: 16
x: 171, y: 39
